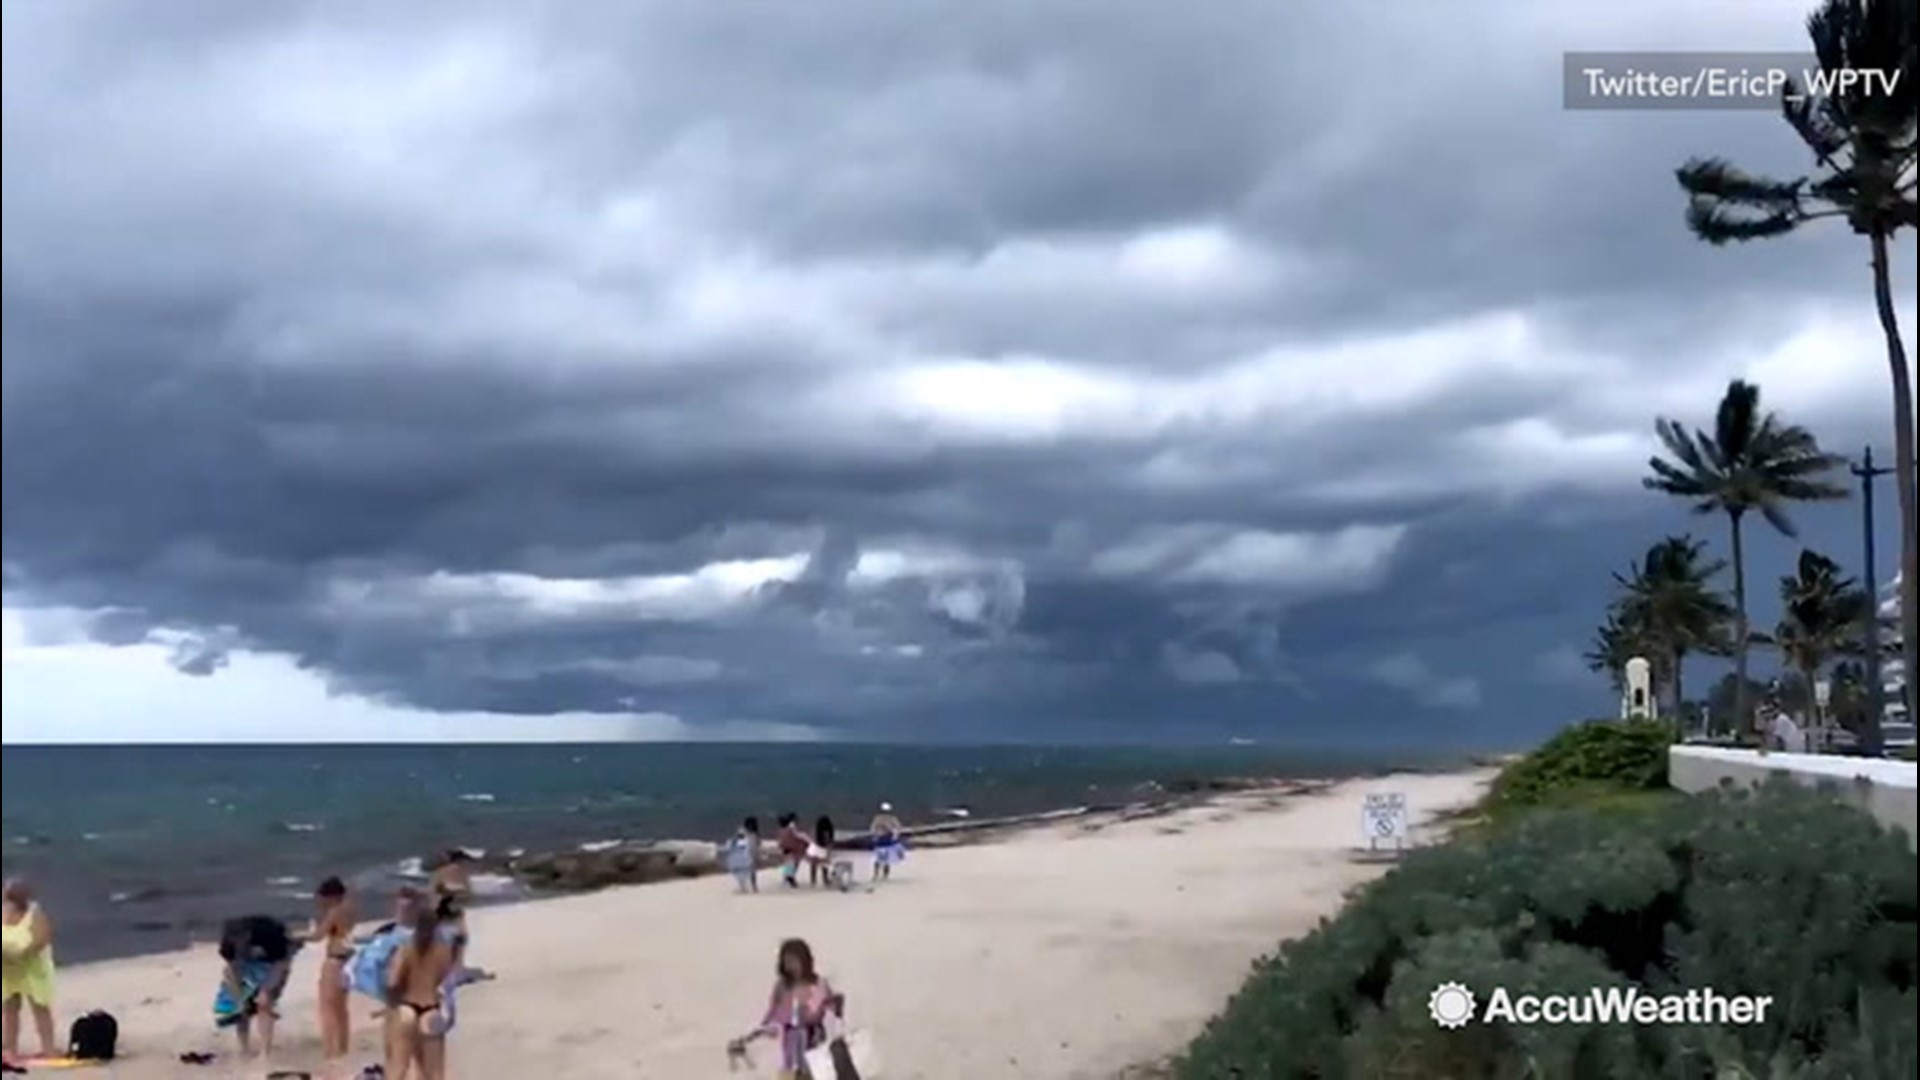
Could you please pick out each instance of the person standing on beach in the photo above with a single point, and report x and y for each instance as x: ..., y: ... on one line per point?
x: 257, y: 954
x: 333, y: 930
x: 452, y: 884
x: 793, y: 849
x: 743, y: 856
x: 888, y: 849
x: 796, y: 1013
x: 28, y: 969
x: 820, y: 853
x: 420, y: 986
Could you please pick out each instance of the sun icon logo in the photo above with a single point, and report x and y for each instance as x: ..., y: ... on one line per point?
x: 1450, y: 1005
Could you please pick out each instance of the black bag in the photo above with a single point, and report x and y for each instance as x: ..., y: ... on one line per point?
x: 93, y: 1037
x: 843, y: 1066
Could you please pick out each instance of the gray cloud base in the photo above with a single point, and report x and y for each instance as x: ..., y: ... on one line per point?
x: 307, y: 304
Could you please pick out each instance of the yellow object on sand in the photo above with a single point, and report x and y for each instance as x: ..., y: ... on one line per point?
x: 62, y: 1063
x: 30, y: 977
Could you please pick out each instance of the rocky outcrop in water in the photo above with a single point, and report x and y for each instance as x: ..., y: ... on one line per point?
x: 624, y: 864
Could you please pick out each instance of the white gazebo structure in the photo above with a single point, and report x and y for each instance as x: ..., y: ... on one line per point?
x: 1636, y: 691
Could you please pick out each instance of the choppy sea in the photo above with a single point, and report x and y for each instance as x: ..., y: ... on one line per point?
x: 138, y: 848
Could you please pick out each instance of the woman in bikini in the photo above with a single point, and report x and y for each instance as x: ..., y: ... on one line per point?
x: 797, y: 1011
x: 420, y: 1002
x: 333, y: 931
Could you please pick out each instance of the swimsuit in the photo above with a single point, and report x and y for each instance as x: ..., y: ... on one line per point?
x: 433, y: 1028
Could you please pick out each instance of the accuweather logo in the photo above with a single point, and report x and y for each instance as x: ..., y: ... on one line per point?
x: 1454, y: 1006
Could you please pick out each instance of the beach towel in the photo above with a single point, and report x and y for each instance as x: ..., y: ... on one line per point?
x: 741, y: 855
x: 256, y: 979
x: 367, y: 969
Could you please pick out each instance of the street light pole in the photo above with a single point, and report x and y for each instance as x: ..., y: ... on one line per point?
x: 1874, y: 745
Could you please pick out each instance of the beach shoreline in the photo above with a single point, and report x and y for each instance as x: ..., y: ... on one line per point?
x: 1072, y: 948
x: 206, y: 832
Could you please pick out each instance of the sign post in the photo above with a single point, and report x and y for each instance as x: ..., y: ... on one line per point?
x: 1384, y: 817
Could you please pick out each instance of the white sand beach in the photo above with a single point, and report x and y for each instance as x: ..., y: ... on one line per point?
x: 1072, y: 950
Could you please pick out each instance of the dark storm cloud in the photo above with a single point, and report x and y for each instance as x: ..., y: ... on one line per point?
x: 445, y: 347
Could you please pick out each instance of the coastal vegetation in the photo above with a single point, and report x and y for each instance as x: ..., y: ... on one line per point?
x: 1783, y: 892
x: 1601, y: 762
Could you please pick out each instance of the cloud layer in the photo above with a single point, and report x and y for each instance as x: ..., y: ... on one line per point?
x: 920, y: 369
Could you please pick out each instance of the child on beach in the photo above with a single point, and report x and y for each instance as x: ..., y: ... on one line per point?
x: 333, y: 930
x: 793, y: 849
x: 888, y: 848
x: 820, y: 853
x: 743, y: 856
x: 28, y: 969
x: 797, y: 1010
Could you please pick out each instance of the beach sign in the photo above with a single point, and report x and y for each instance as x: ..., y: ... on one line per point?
x: 1384, y: 817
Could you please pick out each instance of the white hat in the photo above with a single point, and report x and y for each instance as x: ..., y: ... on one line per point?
x: 886, y: 808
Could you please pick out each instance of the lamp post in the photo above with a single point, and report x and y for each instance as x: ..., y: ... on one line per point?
x: 1870, y: 741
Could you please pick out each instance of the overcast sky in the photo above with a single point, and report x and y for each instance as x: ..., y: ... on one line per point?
x: 975, y: 369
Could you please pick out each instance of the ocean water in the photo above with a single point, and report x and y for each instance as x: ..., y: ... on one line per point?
x: 137, y: 849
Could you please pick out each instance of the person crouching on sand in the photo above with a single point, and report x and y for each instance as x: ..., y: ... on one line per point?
x: 256, y: 953
x: 333, y: 920
x: 796, y: 1013
x: 743, y: 856
x: 888, y: 848
x: 28, y: 969
x: 420, y: 987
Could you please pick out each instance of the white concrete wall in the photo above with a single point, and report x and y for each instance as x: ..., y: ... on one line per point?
x: 1882, y: 788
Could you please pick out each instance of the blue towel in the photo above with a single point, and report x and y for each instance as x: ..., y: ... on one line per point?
x: 255, y: 979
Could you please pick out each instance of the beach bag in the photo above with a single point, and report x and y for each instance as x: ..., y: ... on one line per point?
x: 94, y: 1037
x: 846, y: 1055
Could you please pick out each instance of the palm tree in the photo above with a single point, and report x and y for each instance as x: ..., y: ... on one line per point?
x: 1752, y: 461
x: 1669, y: 598
x: 1615, y: 642
x: 1822, y: 609
x: 1862, y: 139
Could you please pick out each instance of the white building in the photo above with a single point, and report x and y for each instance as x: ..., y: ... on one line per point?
x: 1897, y: 727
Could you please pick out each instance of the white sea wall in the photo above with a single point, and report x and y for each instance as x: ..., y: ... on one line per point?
x: 1884, y: 789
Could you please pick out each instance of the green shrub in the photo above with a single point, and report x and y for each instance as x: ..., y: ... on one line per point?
x: 1584, y: 761
x: 1784, y: 892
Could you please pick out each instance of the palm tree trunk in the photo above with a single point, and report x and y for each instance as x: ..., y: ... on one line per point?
x: 1904, y: 439
x: 1816, y: 723
x: 1679, y: 695
x: 1742, y: 708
